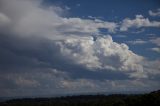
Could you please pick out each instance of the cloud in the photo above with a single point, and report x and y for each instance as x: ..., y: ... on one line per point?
x: 140, y: 41
x: 52, y: 81
x: 156, y: 41
x: 121, y: 36
x: 34, y: 83
x: 138, y: 22
x: 42, y: 52
x: 137, y: 42
x: 78, y: 5
x: 156, y: 49
x: 3, y: 19
x: 77, y: 25
x: 154, y: 13
x: 35, y: 20
x: 151, y: 69
x: 102, y: 53
x: 56, y: 82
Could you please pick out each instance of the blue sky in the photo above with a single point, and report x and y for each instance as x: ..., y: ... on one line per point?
x: 113, y: 10
x: 58, y: 47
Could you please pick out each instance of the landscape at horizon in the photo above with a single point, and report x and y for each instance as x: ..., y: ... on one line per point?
x: 57, y: 48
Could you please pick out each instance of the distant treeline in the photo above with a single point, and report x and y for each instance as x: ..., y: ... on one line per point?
x: 151, y: 99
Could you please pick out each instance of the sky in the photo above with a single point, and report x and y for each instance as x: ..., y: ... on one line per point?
x: 59, y: 47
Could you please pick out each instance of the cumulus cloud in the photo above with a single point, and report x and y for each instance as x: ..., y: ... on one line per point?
x: 42, y: 51
x: 102, y: 53
x: 154, y: 13
x: 138, y: 22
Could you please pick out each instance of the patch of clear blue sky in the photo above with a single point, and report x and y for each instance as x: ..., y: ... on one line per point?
x: 109, y: 9
x: 116, y: 11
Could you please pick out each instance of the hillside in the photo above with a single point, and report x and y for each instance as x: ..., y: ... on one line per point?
x: 151, y: 99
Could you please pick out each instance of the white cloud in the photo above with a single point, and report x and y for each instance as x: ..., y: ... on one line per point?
x: 36, y: 78
x: 74, y: 37
x: 121, y: 36
x: 67, y: 8
x: 156, y: 41
x: 29, y: 18
x: 152, y: 67
x: 156, y: 49
x: 138, y: 22
x: 92, y: 17
x: 48, y: 83
x: 4, y: 19
x: 137, y: 41
x: 102, y: 53
x: 86, y: 25
x: 154, y: 13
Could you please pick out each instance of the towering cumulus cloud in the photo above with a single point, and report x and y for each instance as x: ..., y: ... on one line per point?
x: 43, y: 52
x: 101, y: 53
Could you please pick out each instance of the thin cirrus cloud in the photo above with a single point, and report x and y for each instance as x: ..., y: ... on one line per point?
x: 43, y: 52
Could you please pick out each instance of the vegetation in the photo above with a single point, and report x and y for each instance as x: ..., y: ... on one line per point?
x: 151, y: 99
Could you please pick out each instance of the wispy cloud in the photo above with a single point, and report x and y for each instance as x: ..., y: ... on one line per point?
x: 156, y: 41
x: 156, y: 49
x: 154, y: 13
x: 137, y: 42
